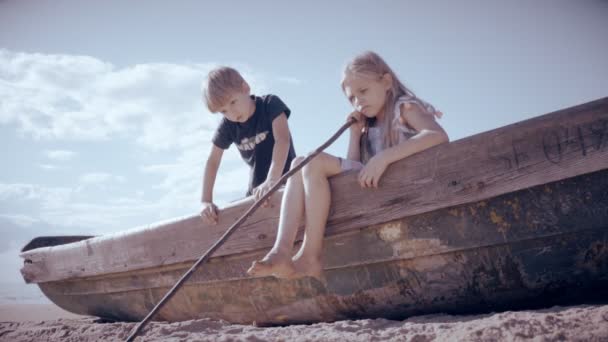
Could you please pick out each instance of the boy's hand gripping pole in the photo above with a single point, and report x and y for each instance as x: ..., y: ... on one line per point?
x: 234, y: 226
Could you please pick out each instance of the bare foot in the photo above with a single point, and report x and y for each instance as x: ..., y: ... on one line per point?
x: 273, y: 264
x: 308, y: 267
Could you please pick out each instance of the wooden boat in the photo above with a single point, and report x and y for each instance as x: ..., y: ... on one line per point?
x: 516, y: 215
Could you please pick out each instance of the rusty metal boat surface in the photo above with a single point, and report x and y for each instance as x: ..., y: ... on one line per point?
x: 505, y: 218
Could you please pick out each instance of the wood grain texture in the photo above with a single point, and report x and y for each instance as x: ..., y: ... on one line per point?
x: 533, y: 246
x: 544, y: 149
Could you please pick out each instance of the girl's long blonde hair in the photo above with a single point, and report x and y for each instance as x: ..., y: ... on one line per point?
x: 370, y: 64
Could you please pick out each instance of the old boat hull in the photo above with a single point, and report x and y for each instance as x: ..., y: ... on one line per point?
x: 537, y: 245
x: 509, y: 216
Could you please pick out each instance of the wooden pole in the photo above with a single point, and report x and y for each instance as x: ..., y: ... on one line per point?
x: 233, y: 228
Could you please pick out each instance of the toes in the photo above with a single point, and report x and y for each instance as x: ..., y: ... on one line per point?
x: 257, y: 268
x: 272, y: 265
x: 266, y: 268
x: 252, y: 269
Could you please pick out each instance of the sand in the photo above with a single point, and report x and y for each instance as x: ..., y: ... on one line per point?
x: 33, y: 312
x: 574, y: 323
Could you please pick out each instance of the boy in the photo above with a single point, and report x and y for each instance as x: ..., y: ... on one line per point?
x: 258, y: 127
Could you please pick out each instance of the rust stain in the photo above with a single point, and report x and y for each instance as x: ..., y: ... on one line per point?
x: 395, y: 234
x: 281, y: 318
x: 431, y: 264
x: 496, y: 219
x: 416, y: 247
x: 515, y: 207
x: 503, y: 226
x: 390, y: 232
x: 454, y: 212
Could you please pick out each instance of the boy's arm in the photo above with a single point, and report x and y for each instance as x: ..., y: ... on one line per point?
x: 280, y: 131
x: 211, y: 167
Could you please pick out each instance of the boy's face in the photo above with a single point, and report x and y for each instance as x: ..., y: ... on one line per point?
x: 239, y: 106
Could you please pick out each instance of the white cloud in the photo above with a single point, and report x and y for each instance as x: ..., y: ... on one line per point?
x: 21, y: 220
x: 82, y: 98
x: 100, y: 177
x: 66, y: 97
x: 153, y: 109
x: 183, y: 179
x: 71, y: 210
x: 47, y: 196
x: 59, y: 155
x: 48, y: 166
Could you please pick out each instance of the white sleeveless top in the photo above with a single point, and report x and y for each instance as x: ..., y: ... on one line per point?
x: 375, y: 135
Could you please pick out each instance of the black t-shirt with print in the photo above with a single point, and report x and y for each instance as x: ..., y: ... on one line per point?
x: 254, y: 137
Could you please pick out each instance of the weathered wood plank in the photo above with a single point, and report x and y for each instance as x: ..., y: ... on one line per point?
x: 565, y: 207
x: 531, y: 245
x: 547, y: 148
x: 536, y: 151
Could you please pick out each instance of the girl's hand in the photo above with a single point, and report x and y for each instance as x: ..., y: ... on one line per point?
x: 209, y: 213
x: 357, y: 127
x: 370, y: 175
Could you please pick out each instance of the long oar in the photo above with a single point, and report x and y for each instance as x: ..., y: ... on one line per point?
x: 233, y: 228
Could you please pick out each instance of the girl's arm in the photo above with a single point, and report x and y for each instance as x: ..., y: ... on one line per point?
x: 430, y: 133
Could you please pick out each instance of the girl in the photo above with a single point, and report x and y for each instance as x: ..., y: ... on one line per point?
x: 392, y: 123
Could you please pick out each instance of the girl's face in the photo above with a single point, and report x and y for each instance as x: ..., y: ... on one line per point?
x: 367, y: 93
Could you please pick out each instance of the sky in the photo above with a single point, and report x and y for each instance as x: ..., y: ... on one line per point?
x: 102, y: 125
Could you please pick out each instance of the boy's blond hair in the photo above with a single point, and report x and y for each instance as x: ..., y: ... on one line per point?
x: 220, y: 83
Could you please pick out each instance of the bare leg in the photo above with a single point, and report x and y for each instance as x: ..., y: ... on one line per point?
x: 317, y: 198
x: 278, y: 261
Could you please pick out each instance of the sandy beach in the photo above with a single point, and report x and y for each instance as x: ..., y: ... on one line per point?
x: 47, y: 322
x: 33, y: 312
